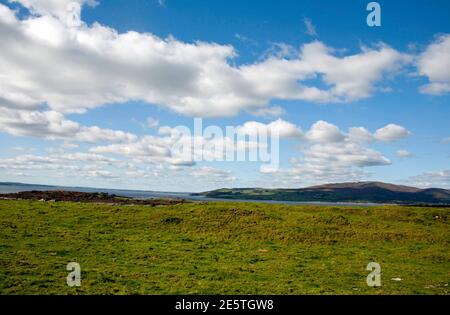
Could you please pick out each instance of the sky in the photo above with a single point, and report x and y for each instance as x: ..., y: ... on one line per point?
x: 92, y: 92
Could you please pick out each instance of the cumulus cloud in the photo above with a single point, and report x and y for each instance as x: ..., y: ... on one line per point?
x: 147, y: 146
x: 327, y: 153
x: 55, y: 64
x: 179, y: 147
x: 360, y: 134
x: 270, y: 111
x: 53, y: 125
x: 37, y: 124
x: 279, y: 127
x: 102, y: 169
x: 391, y: 132
x: 152, y: 122
x: 324, y: 132
x: 338, y: 161
x: 95, y: 134
x: 77, y: 164
x: 327, y: 144
x: 435, y: 88
x: 58, y: 8
x: 440, y: 179
x: 403, y: 153
x: 212, y: 173
x: 300, y: 176
x: 434, y: 63
x: 75, y: 67
x: 344, y: 155
x: 326, y: 150
x: 98, y: 174
x: 331, y: 154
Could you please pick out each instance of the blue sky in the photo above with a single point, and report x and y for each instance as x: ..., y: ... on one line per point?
x: 85, y: 98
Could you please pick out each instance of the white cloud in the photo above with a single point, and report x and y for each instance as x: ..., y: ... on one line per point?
x: 77, y: 67
x: 86, y: 157
x: 391, y: 132
x: 310, y: 28
x: 67, y: 145
x: 212, y: 173
x: 148, y: 146
x: 327, y: 154
x: 57, y: 8
x: 360, y: 134
x: 343, y: 155
x: 403, y: 153
x: 302, y: 176
x: 435, y: 88
x: 53, y: 125
x: 439, y: 179
x: 270, y: 111
x: 98, y: 174
x: 245, y: 39
x: 96, y: 134
x: 333, y: 155
x: 36, y: 123
x: 434, y: 63
x: 177, y: 148
x: 54, y: 64
x: 323, y: 131
x: 152, y: 122
x: 76, y: 162
x: 326, y: 150
x: 280, y: 127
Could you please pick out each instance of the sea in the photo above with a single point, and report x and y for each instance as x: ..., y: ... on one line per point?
x: 7, y: 188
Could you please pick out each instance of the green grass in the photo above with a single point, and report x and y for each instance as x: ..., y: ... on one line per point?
x: 222, y: 248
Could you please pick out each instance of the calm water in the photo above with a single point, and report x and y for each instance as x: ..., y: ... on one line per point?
x: 142, y: 194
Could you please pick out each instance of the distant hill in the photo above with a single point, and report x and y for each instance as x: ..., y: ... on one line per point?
x: 376, y: 192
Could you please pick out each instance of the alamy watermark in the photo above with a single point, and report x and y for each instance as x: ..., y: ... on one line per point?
x: 74, y: 276
x: 374, y: 17
x: 213, y: 143
x: 374, y: 277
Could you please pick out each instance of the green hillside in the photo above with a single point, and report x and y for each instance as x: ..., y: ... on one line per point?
x: 222, y: 248
x: 376, y: 192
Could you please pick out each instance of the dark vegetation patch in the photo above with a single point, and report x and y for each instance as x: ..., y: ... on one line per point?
x: 172, y: 220
x: 74, y: 196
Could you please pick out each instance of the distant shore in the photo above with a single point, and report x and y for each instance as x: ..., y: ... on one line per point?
x: 24, y: 191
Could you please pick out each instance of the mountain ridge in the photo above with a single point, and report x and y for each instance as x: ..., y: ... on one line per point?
x: 370, y: 191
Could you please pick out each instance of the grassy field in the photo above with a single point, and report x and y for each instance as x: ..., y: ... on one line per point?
x: 222, y: 248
